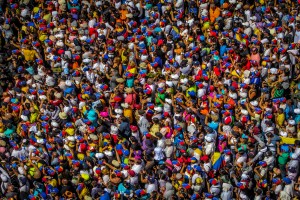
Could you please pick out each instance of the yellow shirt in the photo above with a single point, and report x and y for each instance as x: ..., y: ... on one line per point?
x: 238, y: 37
x: 28, y: 54
x: 280, y: 119
x: 154, y: 129
x: 47, y: 18
x: 234, y: 73
x: 123, y: 57
x: 33, y: 116
x: 128, y: 114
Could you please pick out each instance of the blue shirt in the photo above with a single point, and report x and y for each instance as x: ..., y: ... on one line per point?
x: 223, y: 50
x: 91, y: 115
x: 289, y: 111
x: 105, y: 196
x: 297, y: 119
x: 214, y: 125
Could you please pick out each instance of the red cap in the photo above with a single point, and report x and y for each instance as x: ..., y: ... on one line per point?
x: 160, y: 42
x: 204, y: 158
x: 73, y: 10
x: 133, y: 128
x: 166, y: 114
x: 227, y: 120
x: 131, y: 172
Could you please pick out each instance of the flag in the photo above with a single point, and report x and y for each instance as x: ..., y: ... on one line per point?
x: 217, y: 161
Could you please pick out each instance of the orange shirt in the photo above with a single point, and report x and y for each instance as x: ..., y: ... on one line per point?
x: 214, y: 14
x: 75, y: 65
x: 123, y: 14
x: 178, y: 51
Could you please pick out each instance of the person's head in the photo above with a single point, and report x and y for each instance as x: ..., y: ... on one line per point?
x: 213, y: 6
x: 155, y: 120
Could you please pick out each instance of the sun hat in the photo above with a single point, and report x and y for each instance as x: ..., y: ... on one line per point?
x: 63, y: 115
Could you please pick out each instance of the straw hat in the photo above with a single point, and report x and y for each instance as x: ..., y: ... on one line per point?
x: 2, y: 143
x: 120, y: 80
x: 128, y: 90
x: 63, y: 115
x: 115, y: 163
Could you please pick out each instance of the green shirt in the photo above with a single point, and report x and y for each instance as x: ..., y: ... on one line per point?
x: 160, y: 96
x: 9, y: 131
x: 283, y: 158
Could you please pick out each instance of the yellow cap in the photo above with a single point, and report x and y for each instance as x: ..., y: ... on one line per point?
x: 198, y: 180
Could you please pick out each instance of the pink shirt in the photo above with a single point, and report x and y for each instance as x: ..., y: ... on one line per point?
x: 130, y: 99
x: 255, y: 57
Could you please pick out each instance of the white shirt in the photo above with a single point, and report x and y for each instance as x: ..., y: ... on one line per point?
x: 209, y: 148
x: 50, y: 81
x: 215, y: 189
x: 207, y: 167
x: 161, y: 143
x: 287, y: 192
x: 226, y: 191
x: 18, y: 153
x: 92, y: 23
x: 134, y: 180
x: 158, y: 151
x: 242, y: 158
x: 151, y: 187
x: 137, y: 168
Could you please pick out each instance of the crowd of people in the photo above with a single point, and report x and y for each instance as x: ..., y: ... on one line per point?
x: 149, y: 99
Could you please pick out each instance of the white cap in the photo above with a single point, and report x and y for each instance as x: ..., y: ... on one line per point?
x: 71, y: 138
x: 60, y: 43
x: 83, y: 38
x: 161, y: 85
x: 108, y: 153
x: 169, y: 101
x: 254, y: 103
x: 291, y: 122
x: 244, y: 112
x: 208, y: 139
x: 99, y: 155
x: 40, y: 141
x: 247, y: 81
x: 283, y: 133
x: 114, y: 128
x: 24, y: 118
x: 38, y: 133
x: 297, y: 110
x: 243, y: 94
x: 174, y: 76
x: 43, y: 97
x: 54, y: 124
x: 184, y: 81
x: 87, y: 60
x: 204, y: 12
x: 265, y: 40
x: 158, y: 109
x: 68, y: 83
x: 239, y: 6
x: 118, y: 111
x: 125, y: 105
x: 169, y: 83
x: 253, y: 18
x: 245, y: 23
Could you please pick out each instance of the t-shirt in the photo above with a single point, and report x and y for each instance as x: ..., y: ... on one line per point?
x: 280, y: 119
x: 213, y: 125
x: 282, y: 159
x: 28, y: 54
x: 9, y: 131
